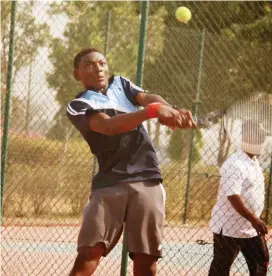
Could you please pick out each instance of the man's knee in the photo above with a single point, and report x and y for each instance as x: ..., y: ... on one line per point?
x: 258, y: 264
x: 145, y: 261
x: 87, y: 260
x: 260, y: 269
x: 144, y: 258
x: 220, y: 266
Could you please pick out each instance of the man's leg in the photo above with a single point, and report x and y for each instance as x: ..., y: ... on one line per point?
x: 87, y: 260
x: 101, y: 228
x: 256, y: 254
x: 225, y: 250
x: 144, y: 226
x: 144, y: 265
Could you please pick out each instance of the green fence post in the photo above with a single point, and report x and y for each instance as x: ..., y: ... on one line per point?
x: 108, y: 22
x: 124, y: 260
x: 195, y: 111
x: 268, y: 201
x: 28, y: 97
x: 7, y: 103
x: 106, y: 47
x: 139, y: 81
x: 142, y: 40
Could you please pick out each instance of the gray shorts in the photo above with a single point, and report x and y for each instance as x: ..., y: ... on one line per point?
x: 141, y: 205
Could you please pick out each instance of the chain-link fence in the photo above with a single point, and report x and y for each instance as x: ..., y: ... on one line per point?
x: 222, y: 56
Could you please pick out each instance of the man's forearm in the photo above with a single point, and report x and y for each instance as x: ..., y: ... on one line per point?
x: 115, y: 125
x: 144, y: 99
x: 102, y: 123
x: 156, y: 98
x: 126, y: 122
x: 238, y: 204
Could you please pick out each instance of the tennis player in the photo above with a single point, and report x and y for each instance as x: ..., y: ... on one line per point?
x: 235, y: 220
x: 127, y: 187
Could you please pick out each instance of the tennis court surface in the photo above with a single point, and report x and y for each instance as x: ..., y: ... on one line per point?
x: 41, y: 250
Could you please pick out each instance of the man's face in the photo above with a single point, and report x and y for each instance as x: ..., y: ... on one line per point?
x: 93, y: 71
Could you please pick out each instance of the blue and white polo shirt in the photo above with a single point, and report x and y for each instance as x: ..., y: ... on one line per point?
x: 125, y: 157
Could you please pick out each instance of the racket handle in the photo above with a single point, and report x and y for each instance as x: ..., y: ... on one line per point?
x: 209, y: 119
x: 202, y: 122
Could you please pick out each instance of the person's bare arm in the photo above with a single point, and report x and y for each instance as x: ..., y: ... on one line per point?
x: 186, y: 118
x: 102, y: 123
x: 144, y: 99
x: 238, y: 204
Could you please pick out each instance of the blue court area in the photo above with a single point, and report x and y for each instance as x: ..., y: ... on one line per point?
x: 178, y: 256
x: 200, y: 256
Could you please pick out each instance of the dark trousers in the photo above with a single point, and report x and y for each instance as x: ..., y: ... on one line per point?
x: 226, y: 250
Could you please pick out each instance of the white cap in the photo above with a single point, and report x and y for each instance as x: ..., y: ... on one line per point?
x: 253, y: 137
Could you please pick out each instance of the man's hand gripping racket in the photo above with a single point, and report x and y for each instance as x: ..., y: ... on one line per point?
x: 176, y: 118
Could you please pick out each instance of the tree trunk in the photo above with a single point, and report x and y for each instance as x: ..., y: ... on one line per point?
x: 224, y: 144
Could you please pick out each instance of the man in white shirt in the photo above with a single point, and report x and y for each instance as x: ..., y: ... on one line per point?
x: 235, y: 219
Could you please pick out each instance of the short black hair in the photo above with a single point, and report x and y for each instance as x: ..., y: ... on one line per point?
x: 82, y: 53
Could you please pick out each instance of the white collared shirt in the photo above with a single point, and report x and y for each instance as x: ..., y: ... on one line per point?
x: 240, y: 175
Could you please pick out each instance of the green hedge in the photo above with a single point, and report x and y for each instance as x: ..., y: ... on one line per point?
x: 42, y: 150
x: 44, y: 178
x: 43, y: 181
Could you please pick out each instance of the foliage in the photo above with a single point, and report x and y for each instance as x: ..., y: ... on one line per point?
x: 29, y: 37
x: 37, y: 188
x: 179, y: 145
x: 122, y: 57
x: 256, y: 50
x: 35, y: 35
x: 122, y: 52
x: 38, y: 174
x: 203, y: 188
x: 33, y: 150
x: 236, y: 62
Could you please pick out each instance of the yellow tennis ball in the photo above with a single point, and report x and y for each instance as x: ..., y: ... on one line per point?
x: 183, y: 14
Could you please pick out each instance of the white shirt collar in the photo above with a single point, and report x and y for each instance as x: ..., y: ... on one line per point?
x: 247, y: 158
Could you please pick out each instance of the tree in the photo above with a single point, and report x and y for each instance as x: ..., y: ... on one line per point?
x: 236, y: 62
x: 236, y: 59
x: 179, y: 146
x: 35, y: 35
x: 29, y: 37
x: 256, y: 50
x: 254, y: 59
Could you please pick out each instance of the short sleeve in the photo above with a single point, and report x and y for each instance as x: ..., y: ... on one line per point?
x: 76, y: 113
x: 231, y: 179
x: 130, y: 89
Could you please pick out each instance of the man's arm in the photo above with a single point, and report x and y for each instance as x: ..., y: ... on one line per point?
x: 232, y: 183
x: 102, y: 123
x: 238, y: 204
x: 144, y: 99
